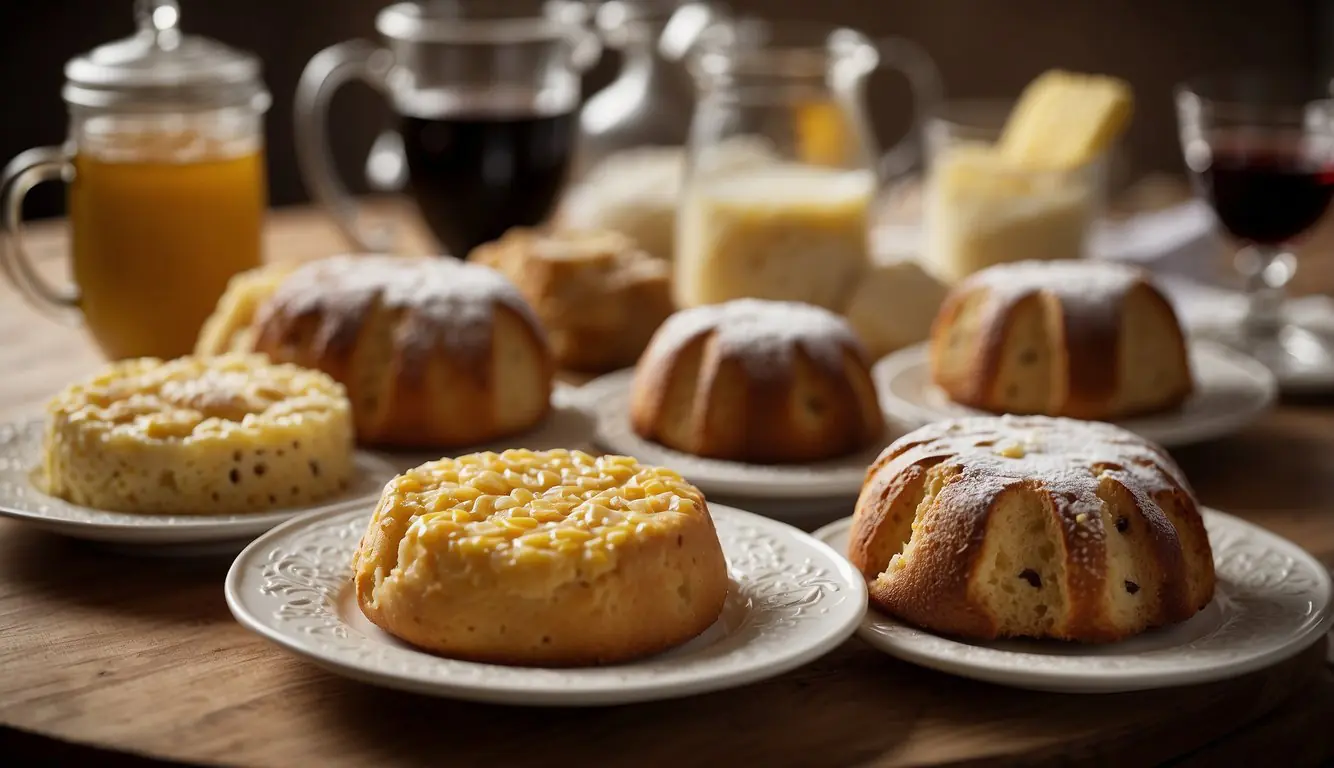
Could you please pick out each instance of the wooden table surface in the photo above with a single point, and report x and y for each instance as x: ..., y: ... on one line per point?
x: 109, y: 656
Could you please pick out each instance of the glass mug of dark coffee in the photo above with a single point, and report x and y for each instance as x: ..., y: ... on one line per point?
x: 486, y: 95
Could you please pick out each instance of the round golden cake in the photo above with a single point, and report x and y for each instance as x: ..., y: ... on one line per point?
x: 551, y: 558
x: 435, y: 353
x: 1079, y: 338
x: 221, y: 435
x: 1030, y: 526
x: 756, y: 381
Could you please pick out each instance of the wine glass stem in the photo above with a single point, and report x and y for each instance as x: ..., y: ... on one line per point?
x: 1266, y: 271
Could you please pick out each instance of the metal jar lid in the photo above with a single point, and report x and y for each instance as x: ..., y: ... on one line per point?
x: 159, y: 69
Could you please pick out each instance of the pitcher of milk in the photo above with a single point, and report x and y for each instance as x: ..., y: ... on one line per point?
x: 782, y: 165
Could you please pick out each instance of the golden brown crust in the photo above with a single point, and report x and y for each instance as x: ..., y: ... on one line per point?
x: 646, y: 572
x: 616, y: 617
x: 1031, y: 526
x: 754, y: 397
x: 599, y: 296
x: 1087, y: 340
x: 434, y: 353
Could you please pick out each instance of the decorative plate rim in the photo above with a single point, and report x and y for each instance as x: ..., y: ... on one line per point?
x: 1097, y: 672
x: 813, y: 596
x: 606, y: 398
x: 21, y: 501
x: 911, y: 410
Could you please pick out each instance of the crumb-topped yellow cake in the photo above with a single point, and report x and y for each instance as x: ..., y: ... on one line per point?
x: 220, y: 435
x: 541, y: 558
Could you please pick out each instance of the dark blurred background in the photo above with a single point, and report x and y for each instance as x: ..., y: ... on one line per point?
x: 985, y: 48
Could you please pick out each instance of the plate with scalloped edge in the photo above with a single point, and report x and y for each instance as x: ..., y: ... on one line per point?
x: 792, y: 599
x: 1231, y: 391
x: 608, y: 399
x: 1272, y: 601
x: 171, y: 535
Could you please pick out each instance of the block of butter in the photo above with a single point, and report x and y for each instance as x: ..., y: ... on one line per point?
x: 1064, y: 119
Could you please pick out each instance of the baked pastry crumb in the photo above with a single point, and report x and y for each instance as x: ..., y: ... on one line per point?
x: 541, y: 558
x: 221, y: 435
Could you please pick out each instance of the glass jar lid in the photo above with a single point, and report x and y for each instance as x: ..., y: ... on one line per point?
x: 497, y: 21
x: 160, y: 69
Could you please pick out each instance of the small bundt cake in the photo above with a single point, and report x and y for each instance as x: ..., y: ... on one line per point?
x: 599, y: 296
x: 1085, y: 339
x: 756, y: 381
x: 435, y: 353
x: 1030, y: 526
x: 555, y: 558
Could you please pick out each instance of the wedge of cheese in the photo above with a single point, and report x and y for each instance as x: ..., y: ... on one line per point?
x: 1064, y: 119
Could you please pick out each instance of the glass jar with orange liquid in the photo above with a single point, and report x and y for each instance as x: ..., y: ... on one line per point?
x: 166, y: 186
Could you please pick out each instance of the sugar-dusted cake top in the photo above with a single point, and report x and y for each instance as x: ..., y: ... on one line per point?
x: 1067, y: 458
x: 1083, y: 281
x: 445, y: 301
x: 761, y: 334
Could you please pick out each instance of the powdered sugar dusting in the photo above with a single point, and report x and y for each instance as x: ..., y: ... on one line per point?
x: 761, y: 334
x: 1086, y: 288
x: 1065, y: 456
x: 448, y: 302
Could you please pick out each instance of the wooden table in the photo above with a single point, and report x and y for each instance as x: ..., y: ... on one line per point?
x: 110, y: 657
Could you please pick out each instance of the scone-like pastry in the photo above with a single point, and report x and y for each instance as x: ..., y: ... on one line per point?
x: 221, y: 435
x: 434, y: 353
x: 894, y: 305
x: 1080, y: 338
x: 599, y: 296
x: 1031, y: 526
x: 757, y: 381
x: 555, y: 558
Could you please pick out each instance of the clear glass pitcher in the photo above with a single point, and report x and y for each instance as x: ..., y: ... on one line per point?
x: 164, y: 162
x: 633, y: 133
x: 486, y: 97
x: 652, y: 99
x: 782, y: 164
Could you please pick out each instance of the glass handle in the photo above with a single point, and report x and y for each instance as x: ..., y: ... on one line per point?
x: 927, y: 90
x: 386, y: 165
x: 22, y: 174
x: 326, y: 71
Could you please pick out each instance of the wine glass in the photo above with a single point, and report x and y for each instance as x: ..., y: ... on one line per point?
x: 1260, y: 147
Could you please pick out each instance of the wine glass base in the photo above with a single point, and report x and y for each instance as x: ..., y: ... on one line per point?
x: 1301, y: 358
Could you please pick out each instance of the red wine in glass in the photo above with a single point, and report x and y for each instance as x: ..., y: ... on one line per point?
x: 1266, y: 189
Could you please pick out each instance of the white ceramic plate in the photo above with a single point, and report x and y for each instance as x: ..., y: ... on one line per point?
x: 1231, y: 391
x: 792, y: 600
x: 20, y: 451
x: 567, y: 426
x: 1272, y: 601
x: 609, y: 399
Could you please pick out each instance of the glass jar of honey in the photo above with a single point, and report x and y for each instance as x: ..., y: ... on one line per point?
x: 164, y: 163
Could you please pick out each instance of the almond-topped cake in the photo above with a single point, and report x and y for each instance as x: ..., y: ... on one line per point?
x: 1031, y: 526
x: 757, y: 381
x: 553, y: 558
x: 434, y: 352
x: 1079, y: 338
x: 223, y: 435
